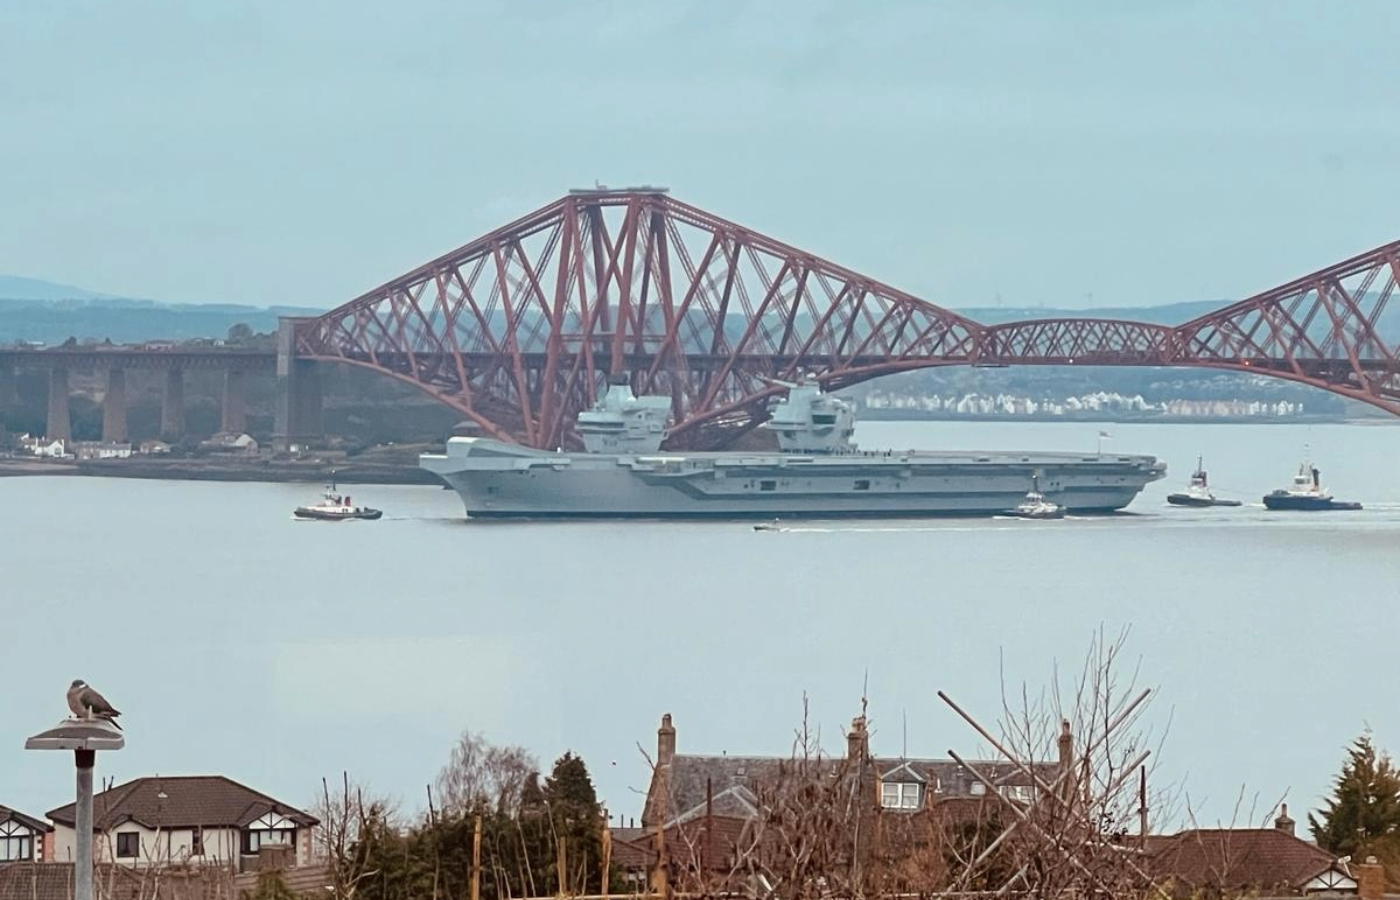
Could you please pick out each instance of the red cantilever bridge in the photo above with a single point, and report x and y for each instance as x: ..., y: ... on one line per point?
x: 519, y: 329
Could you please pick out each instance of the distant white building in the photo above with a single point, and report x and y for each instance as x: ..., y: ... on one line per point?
x: 41, y: 446
x: 227, y: 442
x: 84, y: 450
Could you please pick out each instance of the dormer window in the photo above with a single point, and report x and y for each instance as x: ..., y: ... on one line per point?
x: 900, y: 795
x: 270, y: 829
x: 16, y: 842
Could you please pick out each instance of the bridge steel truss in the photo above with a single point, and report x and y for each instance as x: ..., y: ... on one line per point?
x: 520, y: 329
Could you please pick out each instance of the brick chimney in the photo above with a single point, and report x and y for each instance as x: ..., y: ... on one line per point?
x: 1066, y: 746
x: 1370, y: 880
x: 858, y: 741
x: 1283, y: 822
x: 665, y: 741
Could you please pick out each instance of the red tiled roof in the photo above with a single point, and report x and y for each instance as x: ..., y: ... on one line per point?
x: 210, y: 801
x: 1250, y: 858
x: 54, y: 881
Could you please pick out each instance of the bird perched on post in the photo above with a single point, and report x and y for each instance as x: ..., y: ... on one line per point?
x: 88, y: 704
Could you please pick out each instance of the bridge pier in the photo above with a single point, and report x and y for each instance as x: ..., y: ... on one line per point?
x: 59, y: 427
x: 298, y: 415
x: 9, y: 388
x: 114, y: 406
x: 172, y: 406
x: 234, y: 418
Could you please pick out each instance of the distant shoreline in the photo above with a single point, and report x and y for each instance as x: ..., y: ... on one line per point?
x: 899, y: 415
x: 270, y: 471
x: 352, y: 472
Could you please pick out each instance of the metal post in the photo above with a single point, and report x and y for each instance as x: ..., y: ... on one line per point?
x: 85, y: 760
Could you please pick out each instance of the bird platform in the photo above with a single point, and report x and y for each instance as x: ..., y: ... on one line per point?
x: 78, y: 734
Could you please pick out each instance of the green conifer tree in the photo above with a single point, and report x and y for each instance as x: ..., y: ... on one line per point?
x: 1362, y: 817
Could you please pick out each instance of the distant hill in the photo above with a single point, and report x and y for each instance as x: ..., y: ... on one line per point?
x: 43, y: 311
x: 13, y: 287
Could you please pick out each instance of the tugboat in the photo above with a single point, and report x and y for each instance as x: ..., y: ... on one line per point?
x: 1306, y: 493
x: 1036, y: 506
x: 335, y: 508
x: 1198, y: 492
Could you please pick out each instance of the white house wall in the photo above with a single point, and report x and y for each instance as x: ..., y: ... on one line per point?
x: 221, y: 845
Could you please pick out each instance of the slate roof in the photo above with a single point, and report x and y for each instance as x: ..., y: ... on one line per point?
x: 209, y: 801
x: 1247, y: 858
x: 734, y: 778
x: 33, y: 824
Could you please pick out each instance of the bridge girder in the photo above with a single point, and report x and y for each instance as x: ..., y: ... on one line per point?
x: 519, y: 329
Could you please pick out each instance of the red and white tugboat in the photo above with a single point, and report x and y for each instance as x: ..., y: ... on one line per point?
x: 335, y: 508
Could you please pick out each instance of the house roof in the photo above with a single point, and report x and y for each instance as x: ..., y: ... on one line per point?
x: 210, y: 801
x: 54, y: 881
x: 1255, y: 858
x: 732, y: 780
x: 36, y: 881
x: 7, y: 814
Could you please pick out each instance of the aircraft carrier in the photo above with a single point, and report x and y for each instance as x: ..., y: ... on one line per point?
x: 817, y: 472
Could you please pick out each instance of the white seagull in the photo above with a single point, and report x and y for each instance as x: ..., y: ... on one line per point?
x: 86, y: 703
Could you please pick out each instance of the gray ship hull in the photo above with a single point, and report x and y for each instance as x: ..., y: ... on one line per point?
x: 499, y: 480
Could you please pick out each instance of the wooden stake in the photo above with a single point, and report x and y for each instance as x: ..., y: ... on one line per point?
x: 476, y: 859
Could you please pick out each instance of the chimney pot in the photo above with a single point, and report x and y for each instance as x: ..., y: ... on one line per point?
x: 665, y: 741
x: 1283, y: 822
x: 858, y: 741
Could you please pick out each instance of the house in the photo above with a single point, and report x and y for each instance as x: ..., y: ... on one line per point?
x: 686, y: 785
x: 21, y: 837
x: 1262, y: 861
x: 87, y: 450
x: 205, y: 819
x: 709, y: 813
x: 41, y: 446
x: 226, y: 442
x: 153, y: 448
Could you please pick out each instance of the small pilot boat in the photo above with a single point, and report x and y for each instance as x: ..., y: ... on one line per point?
x: 1198, y: 493
x: 774, y: 525
x: 1037, y: 506
x: 335, y: 508
x: 1306, y: 493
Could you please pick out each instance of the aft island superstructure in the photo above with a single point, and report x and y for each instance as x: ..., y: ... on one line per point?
x: 816, y: 472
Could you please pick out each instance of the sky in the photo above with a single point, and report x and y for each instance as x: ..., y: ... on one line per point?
x: 1013, y: 153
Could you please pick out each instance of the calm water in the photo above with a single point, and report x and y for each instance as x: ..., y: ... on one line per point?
x: 239, y: 641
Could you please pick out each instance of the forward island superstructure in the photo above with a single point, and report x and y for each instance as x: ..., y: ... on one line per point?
x: 816, y: 472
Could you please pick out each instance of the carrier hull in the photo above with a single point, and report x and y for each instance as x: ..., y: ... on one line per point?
x: 499, y: 480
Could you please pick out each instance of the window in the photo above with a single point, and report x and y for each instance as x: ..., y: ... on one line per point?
x: 768, y: 485
x: 196, y: 841
x: 255, y: 839
x: 862, y: 484
x: 15, y: 848
x: 899, y: 795
x: 978, y: 789
x: 1021, y: 793
x: 128, y: 844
